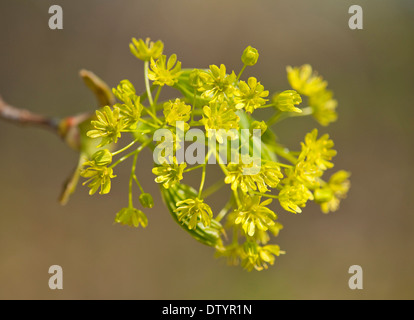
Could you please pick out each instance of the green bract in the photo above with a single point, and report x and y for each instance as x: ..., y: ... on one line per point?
x: 223, y: 109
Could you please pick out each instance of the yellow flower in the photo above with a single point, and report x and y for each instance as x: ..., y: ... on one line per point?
x: 306, y: 171
x: 314, y: 158
x: 198, y: 78
x: 292, y: 197
x: 131, y: 217
x: 250, y: 95
x: 323, y: 107
x: 194, y: 210
x: 330, y: 195
x: 286, y: 101
x: 176, y: 111
x: 108, y: 126
x: 217, y: 83
x: 100, y: 158
x: 124, y: 91
x: 263, y: 236
x: 257, y: 257
x: 220, y: 117
x: 254, y: 215
x: 258, y: 125
x: 131, y: 112
x: 233, y: 253
x: 99, y: 177
x: 169, y: 173
x: 318, y: 151
x: 146, y: 50
x: 163, y: 72
x: 304, y: 80
x: 269, y: 175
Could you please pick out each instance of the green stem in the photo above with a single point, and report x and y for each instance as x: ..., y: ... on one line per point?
x: 157, y: 95
x: 241, y: 72
x: 138, y: 184
x: 180, y: 87
x: 284, y: 165
x: 196, y: 124
x: 138, y: 150
x: 203, y: 179
x: 136, y: 131
x: 265, y: 195
x: 131, y: 178
x: 236, y: 196
x: 194, y: 105
x: 274, y: 118
x: 224, y: 211
x: 144, y: 96
x: 147, y: 85
x: 267, y: 105
x: 213, y: 188
x: 284, y: 115
x: 125, y: 148
x: 193, y: 168
x: 284, y: 153
x: 222, y: 166
x: 123, y: 159
x: 149, y: 123
x: 203, y: 175
x: 152, y: 115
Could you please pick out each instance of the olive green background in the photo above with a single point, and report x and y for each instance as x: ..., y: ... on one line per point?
x: 370, y: 71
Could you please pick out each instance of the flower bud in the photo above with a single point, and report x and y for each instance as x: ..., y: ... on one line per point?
x: 146, y: 200
x: 250, y: 56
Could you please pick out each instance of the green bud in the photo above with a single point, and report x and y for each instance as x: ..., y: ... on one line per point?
x: 146, y: 200
x: 323, y: 195
x: 102, y: 158
x: 250, y: 56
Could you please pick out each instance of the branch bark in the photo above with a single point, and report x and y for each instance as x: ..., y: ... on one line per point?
x: 24, y: 117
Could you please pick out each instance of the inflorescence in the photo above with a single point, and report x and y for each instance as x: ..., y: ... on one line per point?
x: 216, y: 98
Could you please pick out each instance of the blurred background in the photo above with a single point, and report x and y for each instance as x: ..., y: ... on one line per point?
x: 370, y: 71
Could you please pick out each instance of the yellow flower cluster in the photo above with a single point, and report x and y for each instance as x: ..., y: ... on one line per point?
x: 219, y: 102
x: 307, y: 82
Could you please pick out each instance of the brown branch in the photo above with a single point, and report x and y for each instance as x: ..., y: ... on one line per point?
x: 25, y: 117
